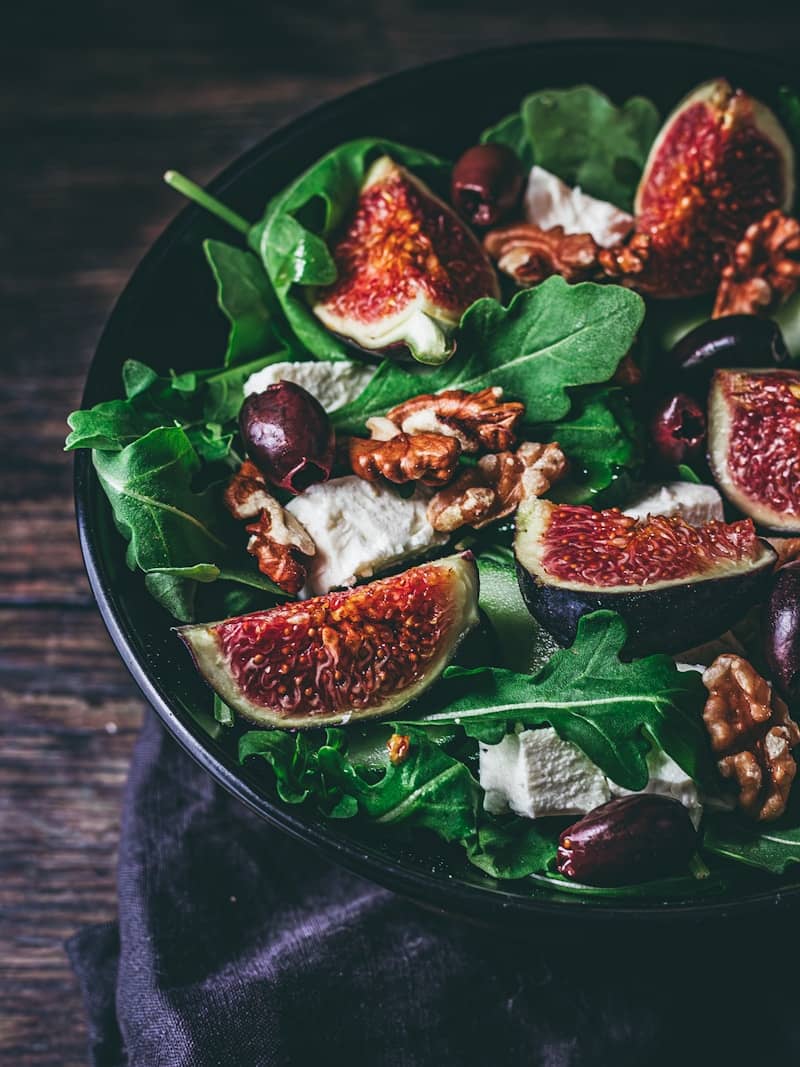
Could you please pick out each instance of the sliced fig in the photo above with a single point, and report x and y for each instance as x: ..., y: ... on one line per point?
x: 358, y: 654
x: 408, y: 268
x: 754, y: 443
x: 675, y: 585
x: 721, y: 161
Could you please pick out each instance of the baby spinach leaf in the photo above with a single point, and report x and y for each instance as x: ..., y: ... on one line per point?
x: 582, y: 137
x: 511, y: 132
x: 769, y: 846
x: 244, y: 296
x: 600, y: 441
x: 610, y: 709
x: 291, y: 239
x: 549, y: 339
x: 579, y: 135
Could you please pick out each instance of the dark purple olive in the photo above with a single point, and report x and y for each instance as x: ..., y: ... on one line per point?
x: 730, y: 341
x: 678, y: 429
x: 626, y: 841
x: 288, y: 436
x: 486, y: 184
x: 781, y: 631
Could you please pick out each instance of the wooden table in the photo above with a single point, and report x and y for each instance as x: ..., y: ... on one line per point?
x: 91, y: 113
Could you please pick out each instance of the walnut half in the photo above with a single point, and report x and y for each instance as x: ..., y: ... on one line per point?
x: 752, y: 734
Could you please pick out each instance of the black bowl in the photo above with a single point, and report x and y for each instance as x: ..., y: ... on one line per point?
x: 167, y: 317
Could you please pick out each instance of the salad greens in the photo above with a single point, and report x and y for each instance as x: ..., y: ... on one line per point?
x: 165, y: 448
x: 579, y: 135
x: 612, y: 710
x: 549, y: 339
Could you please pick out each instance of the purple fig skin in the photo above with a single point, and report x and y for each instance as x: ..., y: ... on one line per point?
x: 678, y: 429
x: 288, y: 436
x: 486, y: 184
x: 781, y: 631
x: 627, y: 841
x: 729, y: 341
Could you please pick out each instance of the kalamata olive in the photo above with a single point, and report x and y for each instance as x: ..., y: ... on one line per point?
x: 730, y: 341
x: 288, y: 436
x: 633, y: 839
x: 486, y: 184
x: 678, y: 429
x: 781, y: 631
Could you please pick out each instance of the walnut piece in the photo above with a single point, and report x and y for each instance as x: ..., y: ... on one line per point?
x: 479, y: 421
x: 398, y: 746
x: 430, y: 458
x: 495, y: 486
x: 764, y: 270
x: 529, y: 254
x: 281, y: 545
x: 752, y: 734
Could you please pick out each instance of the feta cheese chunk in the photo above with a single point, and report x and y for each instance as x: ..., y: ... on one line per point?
x: 361, y: 528
x: 333, y: 384
x: 550, y: 202
x: 694, y: 503
x: 535, y: 774
x: 667, y: 780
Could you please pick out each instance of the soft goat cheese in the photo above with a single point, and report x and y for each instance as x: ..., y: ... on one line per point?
x: 535, y: 774
x: 360, y: 528
x: 696, y: 504
x: 550, y: 202
x: 333, y: 384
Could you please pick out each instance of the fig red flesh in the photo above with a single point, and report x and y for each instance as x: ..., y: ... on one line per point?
x: 407, y: 269
x: 288, y: 436
x: 721, y: 162
x: 356, y: 654
x: 754, y: 443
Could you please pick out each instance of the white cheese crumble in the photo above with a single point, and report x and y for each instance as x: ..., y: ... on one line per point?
x: 361, y: 528
x: 696, y: 504
x: 333, y: 384
x: 550, y: 202
x: 535, y: 774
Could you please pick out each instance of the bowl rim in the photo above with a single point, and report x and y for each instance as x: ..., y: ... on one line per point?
x: 485, y: 902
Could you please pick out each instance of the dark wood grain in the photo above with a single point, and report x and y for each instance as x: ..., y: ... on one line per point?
x: 92, y: 110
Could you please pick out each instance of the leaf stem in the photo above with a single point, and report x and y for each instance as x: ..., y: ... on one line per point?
x: 698, y: 868
x: 192, y: 191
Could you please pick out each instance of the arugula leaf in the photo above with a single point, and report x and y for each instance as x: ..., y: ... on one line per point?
x: 770, y: 846
x: 110, y: 425
x: 244, y: 296
x: 512, y: 847
x: 579, y: 135
x: 601, y: 441
x: 789, y: 112
x: 549, y: 339
x: 609, y: 709
x: 291, y: 239
x: 148, y: 485
x: 687, y: 474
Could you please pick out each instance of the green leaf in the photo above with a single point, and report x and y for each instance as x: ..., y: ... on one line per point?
x: 611, y: 710
x: 137, y: 377
x: 244, y: 296
x: 686, y: 474
x: 511, y: 847
x: 579, y: 135
x: 789, y: 114
x: 522, y: 643
x: 549, y: 339
x: 601, y: 441
x: 511, y: 132
x: 210, y: 572
x: 289, y: 755
x: 148, y: 485
x: 110, y: 426
x: 291, y: 239
x: 770, y: 846
x: 222, y: 713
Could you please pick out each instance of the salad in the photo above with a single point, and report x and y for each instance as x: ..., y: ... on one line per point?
x: 487, y: 522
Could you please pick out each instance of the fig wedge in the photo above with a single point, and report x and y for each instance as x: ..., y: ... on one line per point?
x: 675, y: 585
x: 358, y: 654
x: 408, y: 268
